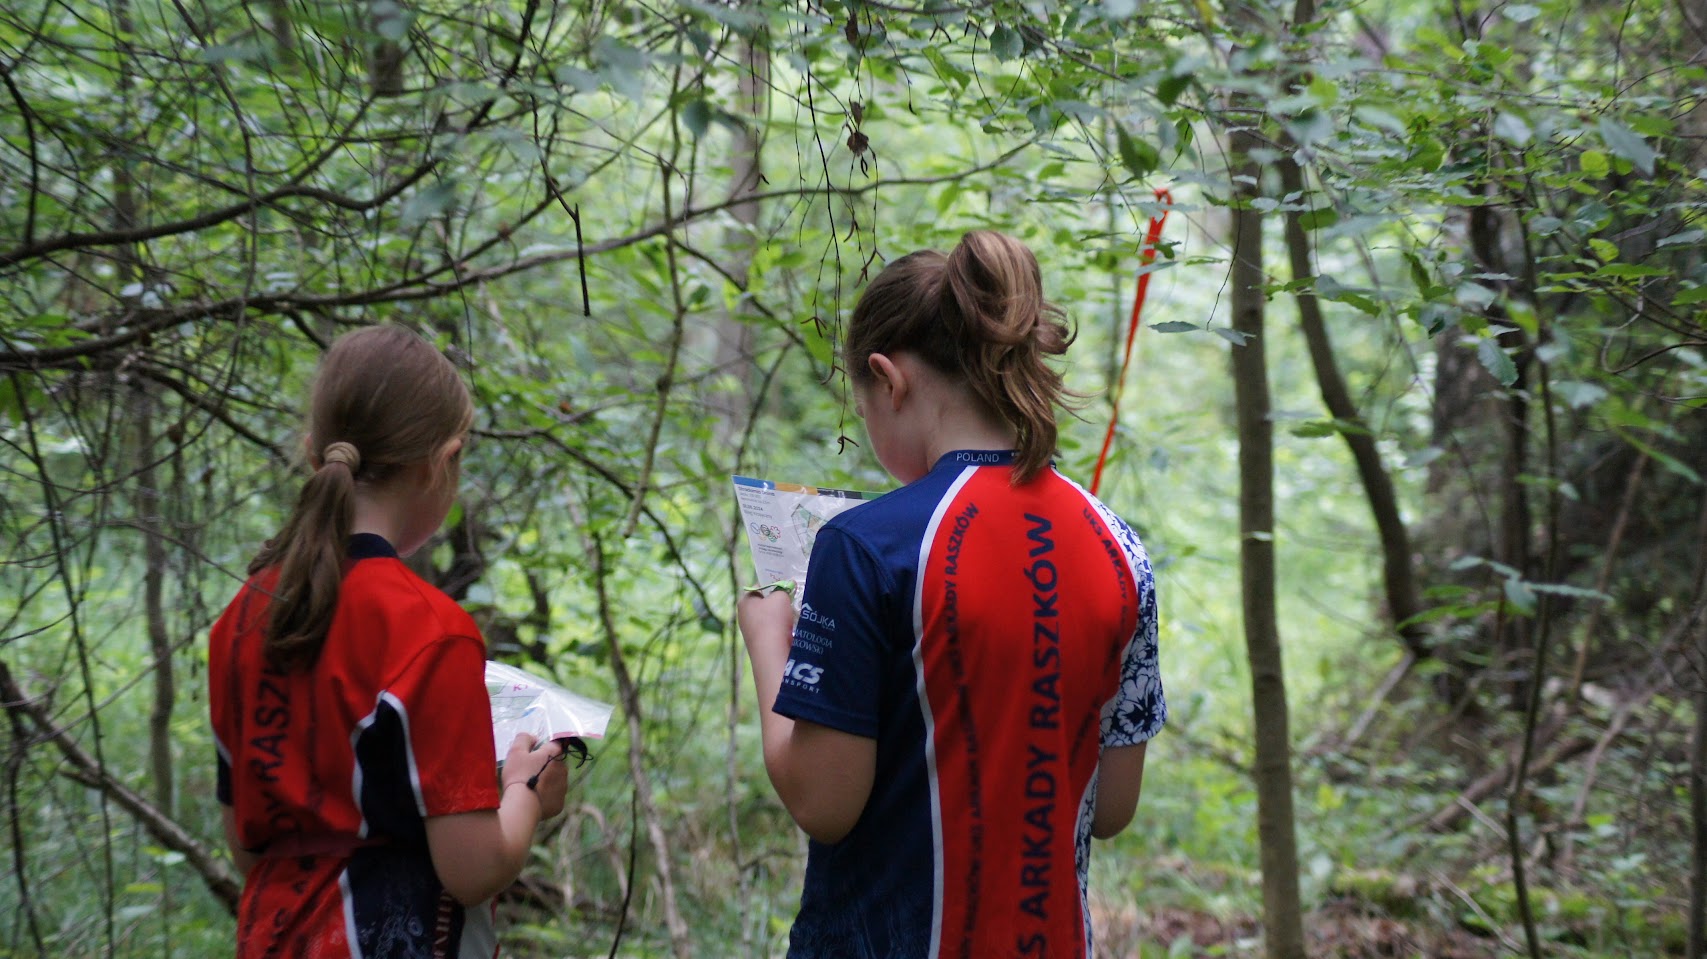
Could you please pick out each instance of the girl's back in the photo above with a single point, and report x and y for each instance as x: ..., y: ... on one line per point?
x: 340, y: 764
x: 1012, y: 634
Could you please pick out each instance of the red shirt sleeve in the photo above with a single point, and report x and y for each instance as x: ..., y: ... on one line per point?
x: 450, y: 726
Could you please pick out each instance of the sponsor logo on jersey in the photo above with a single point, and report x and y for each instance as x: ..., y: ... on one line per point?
x: 810, y: 615
x: 805, y: 674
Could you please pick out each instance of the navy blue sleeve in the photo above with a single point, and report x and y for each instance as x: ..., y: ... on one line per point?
x: 834, y: 671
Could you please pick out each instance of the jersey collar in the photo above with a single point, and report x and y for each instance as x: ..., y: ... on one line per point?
x: 371, y: 546
x: 960, y: 458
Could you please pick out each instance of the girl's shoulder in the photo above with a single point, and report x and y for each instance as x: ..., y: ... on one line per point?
x: 392, y: 592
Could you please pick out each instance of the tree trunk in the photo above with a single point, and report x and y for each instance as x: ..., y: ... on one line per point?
x: 1282, y: 911
x: 1512, y: 540
x: 629, y: 695
x: 734, y: 348
x: 150, y: 517
x: 1398, y: 571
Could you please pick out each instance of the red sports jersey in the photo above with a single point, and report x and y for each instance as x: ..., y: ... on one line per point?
x: 332, y: 772
x: 994, y: 640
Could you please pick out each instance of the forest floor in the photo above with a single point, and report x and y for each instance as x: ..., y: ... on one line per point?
x: 1338, y: 931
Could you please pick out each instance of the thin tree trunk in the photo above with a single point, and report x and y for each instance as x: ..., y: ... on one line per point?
x: 1398, y: 570
x: 1282, y: 910
x: 1538, y: 672
x: 629, y: 695
x: 1511, y: 542
x: 734, y: 349
x: 150, y: 518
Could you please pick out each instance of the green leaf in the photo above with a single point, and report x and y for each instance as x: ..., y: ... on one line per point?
x: 696, y: 115
x: 1380, y: 119
x: 1577, y: 394
x: 1419, y: 273
x: 1423, y: 457
x: 1518, y: 593
x: 1630, y: 270
x: 1497, y: 362
x: 1594, y: 163
x: 1175, y: 326
x: 1565, y: 589
x: 1318, y: 218
x: 1522, y: 12
x: 1627, y: 143
x: 1171, y: 87
x: 1139, y: 156
x: 1513, y: 129
x: 1605, y: 250
x: 621, y: 66
x: 1235, y: 337
x: 1005, y: 43
x: 1665, y: 459
x: 1324, y: 91
x: 434, y: 200
x: 1691, y: 296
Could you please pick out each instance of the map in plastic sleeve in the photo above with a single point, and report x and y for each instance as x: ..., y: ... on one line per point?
x: 782, y: 522
x: 525, y: 703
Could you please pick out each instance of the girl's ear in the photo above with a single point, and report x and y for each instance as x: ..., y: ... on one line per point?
x: 447, y: 453
x: 892, y: 381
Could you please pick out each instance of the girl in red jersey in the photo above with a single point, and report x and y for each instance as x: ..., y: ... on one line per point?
x: 349, y: 706
x: 966, y: 694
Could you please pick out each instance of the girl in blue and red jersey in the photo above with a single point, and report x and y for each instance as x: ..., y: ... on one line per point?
x: 356, y: 765
x: 965, y: 696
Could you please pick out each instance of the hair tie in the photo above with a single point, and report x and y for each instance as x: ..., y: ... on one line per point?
x: 341, y: 452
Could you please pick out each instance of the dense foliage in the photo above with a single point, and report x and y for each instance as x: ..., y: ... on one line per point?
x: 638, y: 227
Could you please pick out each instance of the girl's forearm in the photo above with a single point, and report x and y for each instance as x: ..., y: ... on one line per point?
x: 479, y: 854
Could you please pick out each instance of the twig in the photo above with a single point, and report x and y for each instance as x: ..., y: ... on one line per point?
x: 1476, y: 908
x: 1394, y: 677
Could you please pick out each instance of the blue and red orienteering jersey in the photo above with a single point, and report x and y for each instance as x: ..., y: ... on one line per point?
x: 993, y: 639
x: 332, y: 772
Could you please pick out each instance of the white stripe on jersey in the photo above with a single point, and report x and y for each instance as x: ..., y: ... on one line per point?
x: 937, y: 880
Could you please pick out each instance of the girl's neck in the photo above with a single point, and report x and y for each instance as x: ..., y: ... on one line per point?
x: 378, y: 514
x: 967, y: 429
x: 952, y: 419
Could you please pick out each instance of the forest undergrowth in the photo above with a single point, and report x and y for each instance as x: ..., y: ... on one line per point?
x: 1403, y: 844
x: 1390, y: 869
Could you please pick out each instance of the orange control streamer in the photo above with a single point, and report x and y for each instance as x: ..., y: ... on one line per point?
x: 1146, y: 256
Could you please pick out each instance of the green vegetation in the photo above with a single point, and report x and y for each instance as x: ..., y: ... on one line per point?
x: 638, y: 226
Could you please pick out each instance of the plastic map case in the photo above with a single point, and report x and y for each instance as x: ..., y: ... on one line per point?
x: 525, y: 703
